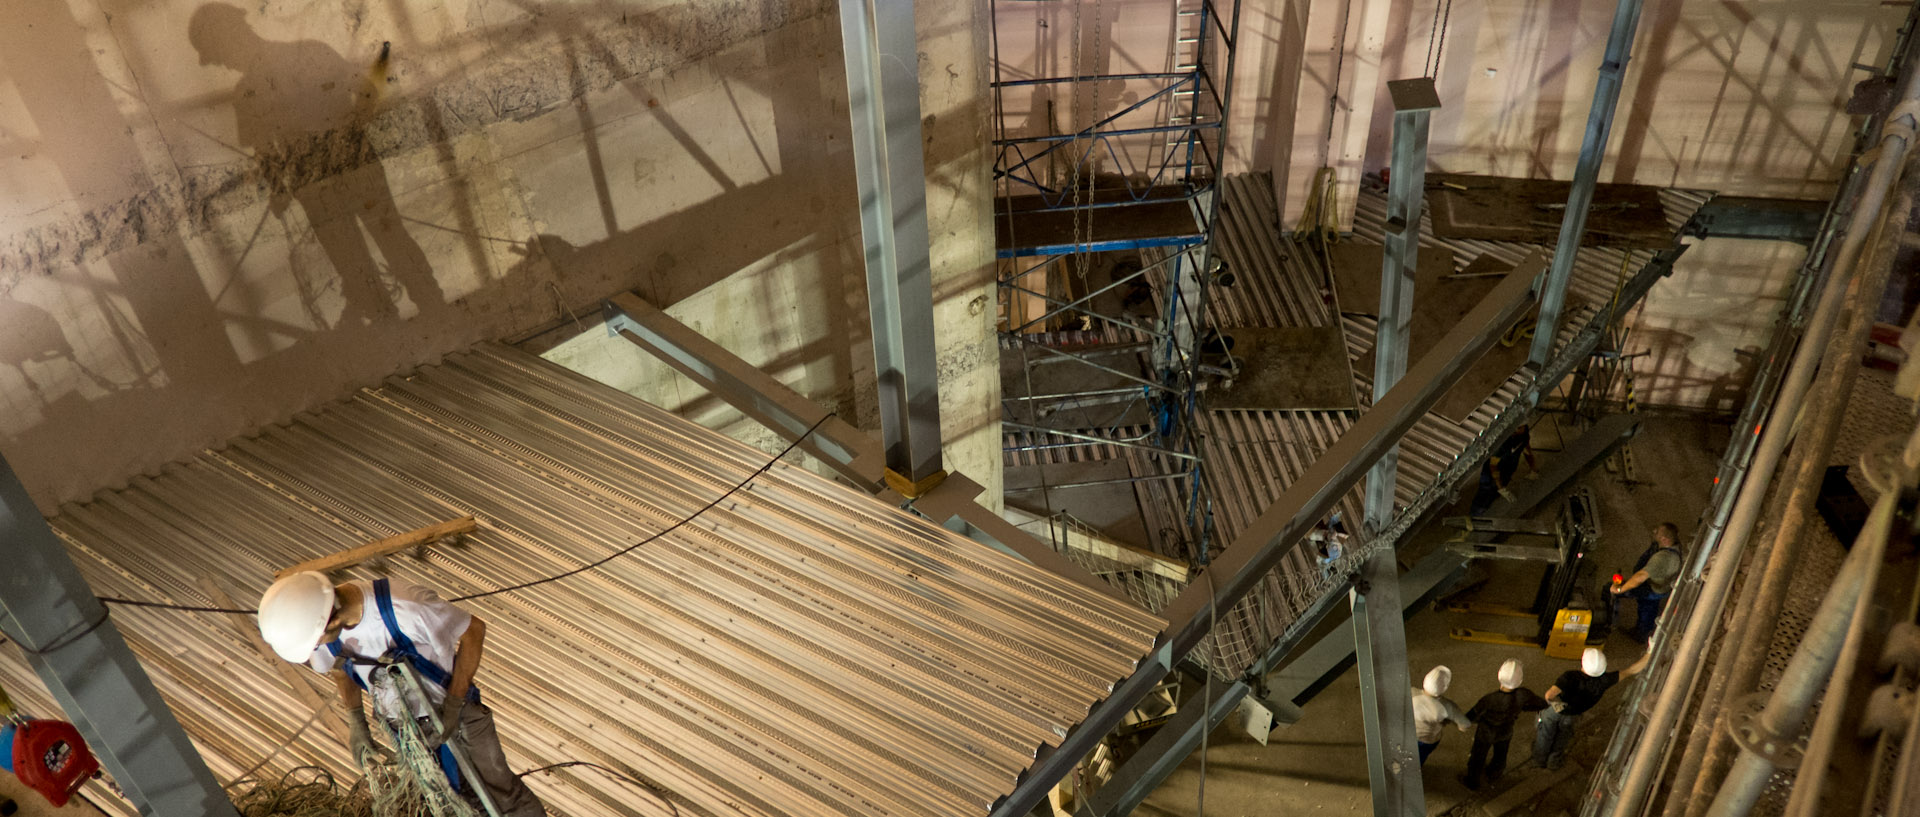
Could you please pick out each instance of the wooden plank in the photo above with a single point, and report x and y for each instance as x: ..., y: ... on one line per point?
x: 289, y: 672
x: 383, y: 547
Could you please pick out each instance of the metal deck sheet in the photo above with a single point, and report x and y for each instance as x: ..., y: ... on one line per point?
x: 799, y: 649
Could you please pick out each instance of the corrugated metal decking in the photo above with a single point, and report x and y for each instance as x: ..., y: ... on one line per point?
x: 799, y: 649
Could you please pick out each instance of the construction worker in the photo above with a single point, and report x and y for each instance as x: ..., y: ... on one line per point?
x: 1496, y: 474
x: 1652, y: 580
x: 1493, y: 717
x: 343, y: 630
x: 1571, y: 695
x: 1432, y: 710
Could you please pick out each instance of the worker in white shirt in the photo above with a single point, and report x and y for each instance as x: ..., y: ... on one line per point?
x: 1432, y: 711
x: 344, y: 630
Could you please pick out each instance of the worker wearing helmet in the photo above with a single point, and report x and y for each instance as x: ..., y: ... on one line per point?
x: 1571, y: 695
x: 1432, y: 710
x: 1493, y: 718
x: 341, y: 630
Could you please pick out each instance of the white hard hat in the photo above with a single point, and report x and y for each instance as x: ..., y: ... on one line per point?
x: 1510, y: 674
x: 294, y: 613
x: 1593, y: 662
x: 1438, y: 679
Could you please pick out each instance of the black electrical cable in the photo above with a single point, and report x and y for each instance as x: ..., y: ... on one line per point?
x: 675, y: 526
x: 651, y: 788
x: 187, y: 607
x: 576, y: 571
x: 62, y: 642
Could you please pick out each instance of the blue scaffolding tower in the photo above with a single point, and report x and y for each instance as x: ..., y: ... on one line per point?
x: 1103, y: 227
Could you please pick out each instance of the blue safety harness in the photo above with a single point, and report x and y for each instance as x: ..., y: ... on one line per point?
x: 403, y: 648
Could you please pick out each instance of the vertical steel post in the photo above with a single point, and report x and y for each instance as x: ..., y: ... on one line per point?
x: 1386, y: 701
x: 1379, y: 632
x: 1586, y: 174
x: 883, y: 96
x: 1413, y: 103
x: 77, y: 651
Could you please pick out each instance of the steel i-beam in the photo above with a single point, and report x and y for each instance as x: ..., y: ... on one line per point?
x: 883, y: 96
x: 1414, y: 101
x: 87, y: 666
x: 1593, y: 149
x: 1379, y: 632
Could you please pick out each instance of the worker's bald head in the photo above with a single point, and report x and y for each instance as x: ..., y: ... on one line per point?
x: 1668, y: 533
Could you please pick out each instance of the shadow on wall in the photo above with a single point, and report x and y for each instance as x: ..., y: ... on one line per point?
x: 309, y: 273
x: 292, y: 95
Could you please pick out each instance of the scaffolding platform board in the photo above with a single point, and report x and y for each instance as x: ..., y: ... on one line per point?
x: 1022, y: 228
x: 1494, y: 208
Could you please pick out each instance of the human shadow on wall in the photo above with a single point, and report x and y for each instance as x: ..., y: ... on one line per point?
x: 292, y: 97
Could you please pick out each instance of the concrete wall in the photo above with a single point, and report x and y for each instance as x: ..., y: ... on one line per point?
x: 1740, y: 98
x: 218, y: 217
x: 1737, y: 97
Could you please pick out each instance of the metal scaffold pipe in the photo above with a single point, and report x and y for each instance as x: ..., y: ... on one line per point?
x: 1885, y: 163
x: 1765, y: 594
x: 1777, y: 727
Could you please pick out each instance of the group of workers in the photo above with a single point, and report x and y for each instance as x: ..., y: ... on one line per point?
x: 1572, y: 694
x: 1493, y: 717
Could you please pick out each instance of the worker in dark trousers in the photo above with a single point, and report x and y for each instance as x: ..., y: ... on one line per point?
x: 1652, y: 580
x: 344, y: 629
x: 1496, y: 474
x: 1571, y: 695
x: 1493, y: 719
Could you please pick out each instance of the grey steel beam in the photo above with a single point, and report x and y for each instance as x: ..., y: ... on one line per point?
x: 952, y: 505
x: 72, y: 645
x: 1586, y: 174
x: 1414, y: 101
x: 883, y: 97
x: 1795, y: 220
x: 1263, y: 543
x: 852, y: 453
x: 1180, y: 736
x: 1386, y: 707
x: 1379, y: 631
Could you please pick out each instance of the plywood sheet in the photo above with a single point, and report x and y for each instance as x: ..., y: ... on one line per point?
x: 1289, y: 368
x: 1440, y: 299
x: 1356, y: 273
x: 1494, y: 208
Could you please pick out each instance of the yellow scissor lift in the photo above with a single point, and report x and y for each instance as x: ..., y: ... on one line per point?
x: 1560, y: 547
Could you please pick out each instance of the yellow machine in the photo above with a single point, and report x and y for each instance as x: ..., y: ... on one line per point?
x: 1568, y: 638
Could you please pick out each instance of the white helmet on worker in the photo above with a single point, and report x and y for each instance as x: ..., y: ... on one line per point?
x: 1438, y: 679
x: 1593, y: 662
x: 294, y: 614
x: 1510, y: 674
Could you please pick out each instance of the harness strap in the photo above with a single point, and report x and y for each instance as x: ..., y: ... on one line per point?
x: 383, y: 597
x: 404, y: 646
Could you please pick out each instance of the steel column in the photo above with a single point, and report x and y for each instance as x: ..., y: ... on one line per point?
x: 78, y: 652
x: 1586, y: 174
x: 883, y: 97
x: 1386, y: 707
x: 1379, y: 631
x: 1261, y: 546
x: 1413, y: 104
